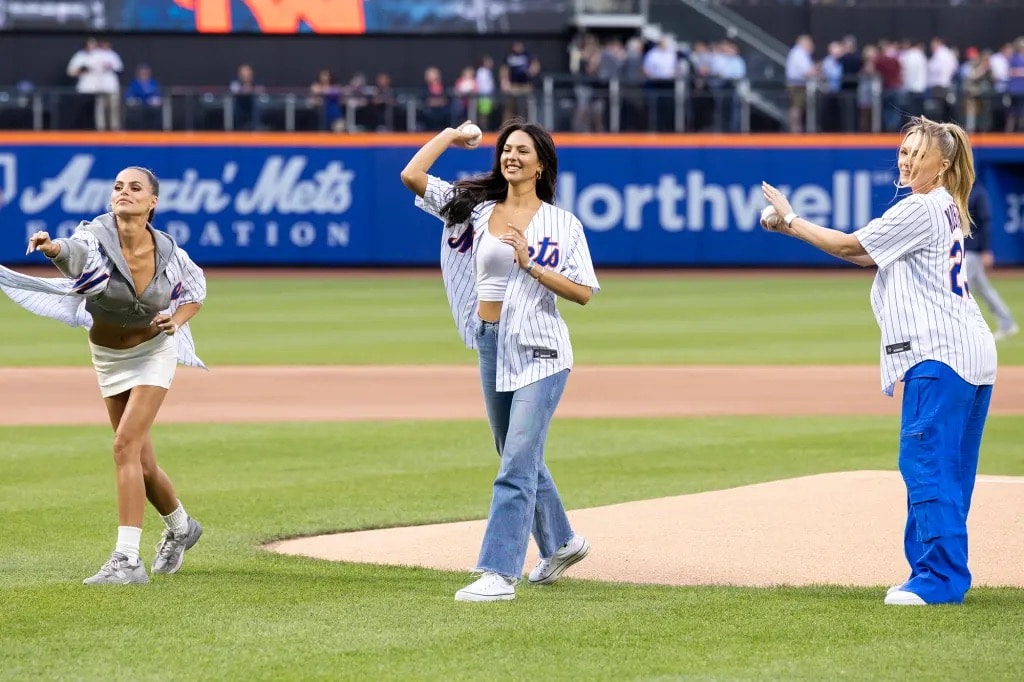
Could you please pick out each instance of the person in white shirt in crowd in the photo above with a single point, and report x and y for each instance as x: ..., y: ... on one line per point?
x: 999, y: 67
x: 800, y: 69
x: 728, y: 69
x: 661, y: 68
x: 941, y: 72
x: 915, y: 77
x: 97, y: 69
x: 934, y: 340
x: 507, y: 256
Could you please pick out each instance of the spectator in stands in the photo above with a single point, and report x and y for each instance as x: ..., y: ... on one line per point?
x: 633, y: 116
x: 143, y: 100
x: 661, y: 68
x: 584, y: 53
x: 96, y: 69
x: 941, y: 71
x: 800, y: 70
x: 357, y: 97
x: 485, y: 92
x: 887, y: 65
x: 852, y: 63
x: 729, y: 68
x: 382, y: 104
x: 108, y: 113
x: 915, y: 78
x: 610, y: 64
x: 245, y: 93
x: 999, y: 65
x: 830, y: 73
x: 702, y: 104
x: 868, y: 90
x: 517, y: 77
x: 976, y: 90
x: 325, y: 96
x: 465, y: 94
x: 436, y: 111
x: 1015, y: 89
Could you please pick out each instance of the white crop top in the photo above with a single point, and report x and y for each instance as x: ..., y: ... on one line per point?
x: 494, y: 262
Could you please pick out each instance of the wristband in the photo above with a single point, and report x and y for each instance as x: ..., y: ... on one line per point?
x: 789, y: 218
x: 529, y: 268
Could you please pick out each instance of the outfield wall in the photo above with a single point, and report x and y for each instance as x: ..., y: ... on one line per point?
x: 687, y: 200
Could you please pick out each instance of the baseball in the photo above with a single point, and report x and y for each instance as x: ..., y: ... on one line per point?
x: 770, y: 218
x: 475, y: 134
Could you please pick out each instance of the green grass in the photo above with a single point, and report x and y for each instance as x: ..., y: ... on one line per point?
x: 237, y: 612
x: 686, y: 319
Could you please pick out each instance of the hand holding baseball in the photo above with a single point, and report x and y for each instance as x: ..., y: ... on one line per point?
x: 770, y: 219
x: 777, y: 199
x: 469, y: 135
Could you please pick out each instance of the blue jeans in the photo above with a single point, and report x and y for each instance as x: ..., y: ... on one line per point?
x: 940, y: 438
x: 524, y: 495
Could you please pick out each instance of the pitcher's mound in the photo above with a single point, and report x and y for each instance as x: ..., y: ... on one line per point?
x: 841, y: 528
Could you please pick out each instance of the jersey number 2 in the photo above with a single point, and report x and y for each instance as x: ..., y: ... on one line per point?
x: 956, y: 261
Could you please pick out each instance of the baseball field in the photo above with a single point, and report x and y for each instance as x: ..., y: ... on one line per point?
x: 723, y: 442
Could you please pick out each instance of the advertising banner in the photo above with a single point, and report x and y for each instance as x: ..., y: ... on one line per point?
x: 288, y: 16
x: 288, y: 203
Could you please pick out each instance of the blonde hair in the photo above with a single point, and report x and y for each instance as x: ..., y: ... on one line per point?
x: 954, y: 146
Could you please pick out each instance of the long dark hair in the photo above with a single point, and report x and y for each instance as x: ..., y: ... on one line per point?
x: 492, y: 186
x: 154, y: 185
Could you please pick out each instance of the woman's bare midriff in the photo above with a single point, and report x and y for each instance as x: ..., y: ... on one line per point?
x: 489, y: 311
x: 120, y: 338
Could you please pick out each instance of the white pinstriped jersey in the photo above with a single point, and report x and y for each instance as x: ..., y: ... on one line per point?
x: 920, y: 298
x: 534, y: 339
x: 63, y: 299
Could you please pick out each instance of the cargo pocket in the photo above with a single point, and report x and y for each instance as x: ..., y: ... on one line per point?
x: 927, y: 512
x: 918, y: 462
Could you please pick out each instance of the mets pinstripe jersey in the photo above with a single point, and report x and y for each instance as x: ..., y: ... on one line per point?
x: 534, y: 339
x: 920, y: 297
x: 64, y: 299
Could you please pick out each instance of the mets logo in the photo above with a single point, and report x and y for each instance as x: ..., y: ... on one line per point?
x: 464, y: 241
x: 546, y: 253
x: 176, y: 291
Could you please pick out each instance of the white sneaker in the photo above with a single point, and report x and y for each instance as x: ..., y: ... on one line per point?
x: 551, y: 569
x: 892, y: 589
x: 489, y: 587
x: 1003, y: 334
x: 904, y: 598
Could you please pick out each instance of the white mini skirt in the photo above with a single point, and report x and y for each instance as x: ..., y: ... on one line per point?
x: 151, y: 363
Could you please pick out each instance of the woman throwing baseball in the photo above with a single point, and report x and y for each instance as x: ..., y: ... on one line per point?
x: 136, y: 290
x: 934, y: 339
x: 507, y: 255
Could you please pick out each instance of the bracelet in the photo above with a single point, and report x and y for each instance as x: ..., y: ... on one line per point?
x: 789, y: 218
x: 529, y: 268
x: 543, y: 271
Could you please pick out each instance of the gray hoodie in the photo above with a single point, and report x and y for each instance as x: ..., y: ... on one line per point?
x: 118, y: 302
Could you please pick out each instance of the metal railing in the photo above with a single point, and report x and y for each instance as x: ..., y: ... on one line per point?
x: 560, y: 103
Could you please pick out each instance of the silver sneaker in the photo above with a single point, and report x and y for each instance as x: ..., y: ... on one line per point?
x: 170, y: 551
x: 551, y: 569
x: 118, y: 571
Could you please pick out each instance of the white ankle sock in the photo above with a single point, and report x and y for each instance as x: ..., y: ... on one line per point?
x: 128, y: 539
x: 177, y: 520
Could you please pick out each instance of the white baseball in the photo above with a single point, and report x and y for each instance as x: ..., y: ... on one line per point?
x: 475, y: 134
x: 770, y: 218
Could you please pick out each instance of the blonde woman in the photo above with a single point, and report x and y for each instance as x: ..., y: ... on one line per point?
x: 934, y: 340
x: 135, y: 290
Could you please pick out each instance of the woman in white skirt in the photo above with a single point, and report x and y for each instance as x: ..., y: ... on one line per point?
x: 135, y: 289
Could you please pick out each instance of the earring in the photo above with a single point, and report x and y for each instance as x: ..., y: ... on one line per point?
x: 538, y: 174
